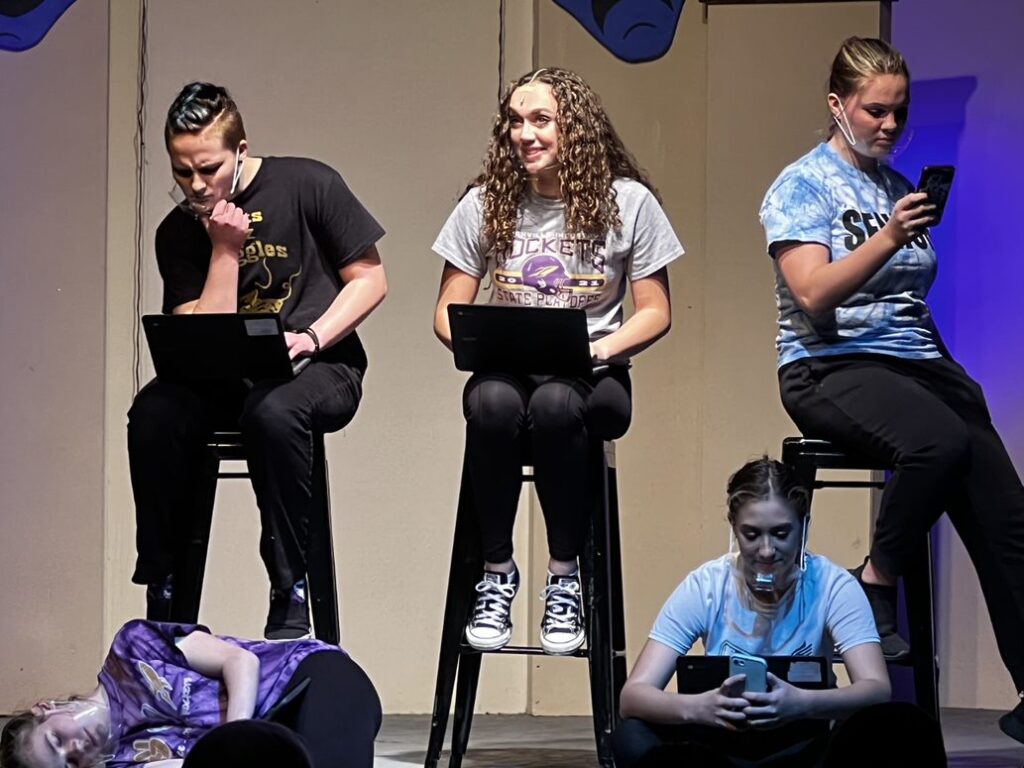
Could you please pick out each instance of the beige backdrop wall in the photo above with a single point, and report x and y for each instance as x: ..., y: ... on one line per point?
x: 401, y: 104
x: 53, y: 165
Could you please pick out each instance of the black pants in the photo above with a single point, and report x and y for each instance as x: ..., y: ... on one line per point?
x: 929, y: 421
x: 883, y: 735
x: 168, y: 428
x: 340, y: 712
x: 553, y: 421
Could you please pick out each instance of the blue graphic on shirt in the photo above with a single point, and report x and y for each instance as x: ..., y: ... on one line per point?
x: 633, y: 30
x: 23, y: 23
x: 823, y: 199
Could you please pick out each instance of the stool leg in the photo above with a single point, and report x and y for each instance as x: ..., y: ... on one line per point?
x: 190, y: 563
x: 466, y: 564
x: 465, y: 699
x: 602, y: 595
x: 917, y: 583
x: 320, y: 575
x: 615, y: 574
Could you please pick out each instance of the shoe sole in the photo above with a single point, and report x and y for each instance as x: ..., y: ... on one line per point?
x: 488, y: 645
x: 307, y: 636
x: 562, y: 649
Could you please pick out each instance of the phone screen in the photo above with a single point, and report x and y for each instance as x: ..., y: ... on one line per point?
x: 936, y: 181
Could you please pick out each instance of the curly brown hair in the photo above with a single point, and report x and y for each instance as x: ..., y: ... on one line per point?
x: 590, y: 153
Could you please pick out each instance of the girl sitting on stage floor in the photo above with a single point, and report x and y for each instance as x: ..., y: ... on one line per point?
x: 771, y: 598
x: 163, y: 686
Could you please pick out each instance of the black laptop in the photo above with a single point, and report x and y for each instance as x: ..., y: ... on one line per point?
x: 219, y: 347
x: 697, y: 674
x: 497, y: 338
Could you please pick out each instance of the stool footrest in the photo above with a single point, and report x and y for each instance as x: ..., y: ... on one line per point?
x: 524, y: 650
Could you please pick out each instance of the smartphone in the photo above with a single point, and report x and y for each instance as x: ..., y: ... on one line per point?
x: 754, y: 667
x: 935, y: 181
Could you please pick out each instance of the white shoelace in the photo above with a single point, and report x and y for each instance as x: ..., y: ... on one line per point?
x: 493, y: 605
x: 561, y: 607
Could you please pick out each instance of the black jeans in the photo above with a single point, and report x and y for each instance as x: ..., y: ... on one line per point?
x: 552, y: 420
x: 881, y: 735
x: 929, y: 421
x: 340, y: 713
x: 168, y: 428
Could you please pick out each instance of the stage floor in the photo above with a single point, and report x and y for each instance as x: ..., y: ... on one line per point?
x: 973, y: 740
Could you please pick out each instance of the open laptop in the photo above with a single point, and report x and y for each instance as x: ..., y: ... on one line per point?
x: 697, y: 674
x: 219, y: 347
x: 497, y: 338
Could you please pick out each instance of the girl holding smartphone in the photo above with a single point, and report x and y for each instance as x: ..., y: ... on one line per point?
x: 770, y: 598
x: 861, y: 362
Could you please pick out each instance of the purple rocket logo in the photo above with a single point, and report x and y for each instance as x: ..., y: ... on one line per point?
x: 545, y: 274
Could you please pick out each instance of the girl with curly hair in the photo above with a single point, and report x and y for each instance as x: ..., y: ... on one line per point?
x: 560, y: 217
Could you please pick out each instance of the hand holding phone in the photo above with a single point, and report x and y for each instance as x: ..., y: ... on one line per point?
x: 754, y: 667
x: 935, y: 182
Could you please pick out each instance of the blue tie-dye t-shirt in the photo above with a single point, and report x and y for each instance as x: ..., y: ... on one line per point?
x: 823, y: 199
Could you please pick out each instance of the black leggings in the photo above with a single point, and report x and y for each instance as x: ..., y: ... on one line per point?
x: 340, y: 713
x: 168, y: 428
x: 553, y: 420
x: 882, y: 736
x: 928, y: 420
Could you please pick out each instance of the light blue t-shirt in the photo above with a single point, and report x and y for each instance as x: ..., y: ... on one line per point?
x: 825, y: 607
x: 823, y: 199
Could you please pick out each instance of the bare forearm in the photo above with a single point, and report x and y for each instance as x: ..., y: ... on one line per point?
x: 641, y: 330
x: 355, y: 301
x: 241, y: 676
x: 220, y: 292
x: 655, y: 705
x: 442, y: 328
x: 830, y: 284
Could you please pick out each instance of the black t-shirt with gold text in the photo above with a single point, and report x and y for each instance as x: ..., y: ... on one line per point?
x: 305, y: 225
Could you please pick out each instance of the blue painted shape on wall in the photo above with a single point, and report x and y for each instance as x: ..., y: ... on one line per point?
x: 633, y: 30
x: 23, y: 23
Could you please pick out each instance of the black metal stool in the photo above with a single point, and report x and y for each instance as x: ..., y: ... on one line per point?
x: 320, y: 579
x: 808, y: 456
x: 601, y: 576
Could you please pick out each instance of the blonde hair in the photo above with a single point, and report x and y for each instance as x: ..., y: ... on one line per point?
x: 860, y: 59
x: 591, y: 154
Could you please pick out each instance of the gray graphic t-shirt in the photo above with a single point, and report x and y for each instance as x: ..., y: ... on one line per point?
x: 548, y: 267
x: 823, y: 199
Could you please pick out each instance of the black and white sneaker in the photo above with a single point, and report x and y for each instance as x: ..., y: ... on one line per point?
x: 288, y: 617
x: 490, y: 626
x: 158, y: 599
x: 561, y: 631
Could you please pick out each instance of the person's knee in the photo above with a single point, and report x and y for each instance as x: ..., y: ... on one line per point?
x: 157, y: 412
x: 632, y: 742
x: 270, y: 418
x: 943, y: 453
x: 556, y: 407
x: 493, y: 406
